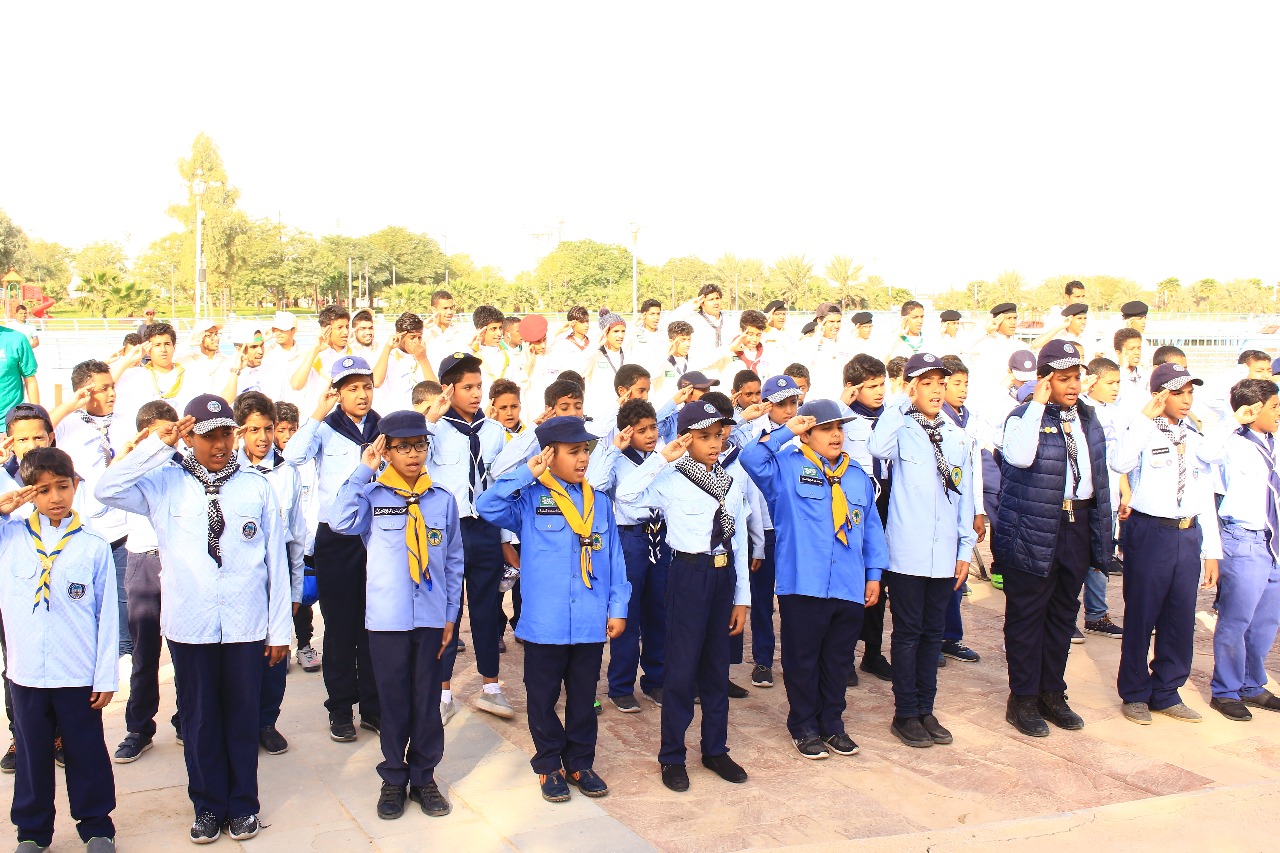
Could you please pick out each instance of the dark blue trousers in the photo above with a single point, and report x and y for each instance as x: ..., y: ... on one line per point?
x: 699, y: 606
x: 953, y: 630
x: 40, y: 714
x: 1248, y: 613
x: 919, y: 612
x: 1040, y: 613
x: 818, y: 637
x: 142, y: 579
x: 340, y: 583
x: 1161, y: 574
x: 273, y: 678
x: 481, y: 572
x: 219, y: 695
x: 571, y: 744
x: 408, y: 674
x: 762, y: 586
x: 644, y: 641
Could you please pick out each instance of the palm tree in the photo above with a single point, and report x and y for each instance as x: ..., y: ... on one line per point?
x: 795, y: 271
x: 844, y: 274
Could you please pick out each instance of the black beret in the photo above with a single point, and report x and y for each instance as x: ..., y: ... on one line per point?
x: 1075, y: 308
x: 1136, y: 308
x: 1004, y: 308
x: 950, y: 316
x: 862, y: 318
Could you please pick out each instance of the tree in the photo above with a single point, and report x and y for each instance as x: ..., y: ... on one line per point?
x: 398, y: 253
x: 167, y: 267
x: 793, y: 273
x: 49, y: 266
x: 13, y: 244
x: 106, y: 292
x: 845, y: 275
x: 223, y: 223
x: 102, y: 255
x: 580, y: 272
x: 407, y: 297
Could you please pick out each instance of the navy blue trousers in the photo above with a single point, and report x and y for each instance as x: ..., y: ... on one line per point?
x: 953, y: 630
x: 273, y: 678
x: 872, y: 634
x: 142, y: 578
x: 571, y: 744
x: 1040, y: 613
x: 644, y: 641
x: 762, y: 579
x: 219, y: 695
x: 1161, y: 575
x: 91, y: 787
x: 818, y: 637
x: 408, y: 674
x: 340, y: 582
x: 699, y: 606
x: 481, y: 572
x: 919, y: 612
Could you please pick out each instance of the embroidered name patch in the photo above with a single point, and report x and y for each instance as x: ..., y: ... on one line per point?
x: 390, y: 510
x: 547, y: 506
x: 434, y: 537
x: 1161, y: 451
x: 810, y: 481
x: 75, y: 591
x: 808, y: 471
x: 249, y: 530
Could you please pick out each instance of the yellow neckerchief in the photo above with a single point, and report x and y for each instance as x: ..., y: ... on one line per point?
x: 177, y: 385
x: 47, y: 557
x: 415, y: 532
x: 507, y: 433
x: 318, y: 364
x: 839, y: 503
x: 579, y: 523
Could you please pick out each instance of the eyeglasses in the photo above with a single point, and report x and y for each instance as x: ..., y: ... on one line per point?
x: 406, y: 449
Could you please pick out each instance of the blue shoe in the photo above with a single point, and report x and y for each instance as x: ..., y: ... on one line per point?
x: 554, y: 788
x: 590, y: 784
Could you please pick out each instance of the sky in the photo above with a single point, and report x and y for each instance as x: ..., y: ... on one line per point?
x: 935, y: 143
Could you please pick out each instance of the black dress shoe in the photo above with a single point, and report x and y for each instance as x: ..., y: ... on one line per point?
x: 675, y: 777
x: 736, y: 692
x: 1265, y: 700
x: 391, y: 801
x: 724, y: 767
x: 935, y: 729
x: 343, y: 731
x: 371, y: 722
x: 853, y: 677
x: 909, y: 731
x: 428, y: 796
x: 1022, y: 713
x: 1232, y: 709
x: 878, y: 666
x: 1054, y: 708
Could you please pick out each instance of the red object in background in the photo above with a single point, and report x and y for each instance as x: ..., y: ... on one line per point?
x: 34, y: 298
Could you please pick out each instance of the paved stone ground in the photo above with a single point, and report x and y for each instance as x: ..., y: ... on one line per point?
x: 993, y: 788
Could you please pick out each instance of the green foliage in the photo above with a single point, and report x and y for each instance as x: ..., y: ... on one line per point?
x: 13, y: 244
x: 407, y: 297
x: 106, y: 293
x: 100, y: 256
x: 223, y: 222
x: 581, y: 272
x: 49, y: 265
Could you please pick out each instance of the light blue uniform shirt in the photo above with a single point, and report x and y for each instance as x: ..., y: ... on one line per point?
x: 449, y: 459
x: 75, y: 642
x: 608, y: 466
x: 286, y: 482
x: 558, y: 608
x: 659, y: 485
x: 375, y: 513
x: 244, y: 600
x: 336, y: 456
x: 519, y: 450
x: 929, y: 529
x: 809, y: 560
x: 1244, y: 472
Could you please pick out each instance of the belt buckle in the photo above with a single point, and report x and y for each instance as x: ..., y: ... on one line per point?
x: 1185, y: 523
x: 719, y: 560
x: 1069, y: 506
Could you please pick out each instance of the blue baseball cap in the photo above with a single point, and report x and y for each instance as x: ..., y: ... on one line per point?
x: 824, y: 412
x: 449, y: 362
x: 697, y: 379
x: 404, y: 424
x: 921, y: 363
x: 348, y: 365
x: 563, y: 429
x: 1022, y: 364
x: 699, y: 415
x: 210, y: 412
x: 778, y: 388
x: 1025, y: 390
x: 1171, y: 376
x: 1059, y: 355
x: 1275, y: 367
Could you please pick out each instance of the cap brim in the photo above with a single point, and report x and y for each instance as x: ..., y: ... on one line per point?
x: 703, y: 424
x: 1064, y: 363
x: 782, y: 394
x: 213, y: 423
x: 923, y: 370
x: 1177, y: 383
x: 355, y: 371
x: 1023, y: 375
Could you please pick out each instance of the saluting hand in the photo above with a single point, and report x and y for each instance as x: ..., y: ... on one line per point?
x: 1043, y: 389
x: 675, y: 449
x: 1155, y: 406
x: 850, y: 393
x: 755, y: 410
x: 10, y: 501
x: 682, y: 396
x: 539, y: 464
x: 371, y: 456
x: 327, y: 401
x: 622, y: 438
x: 800, y: 424
x: 394, y: 341
x: 546, y: 413
x: 440, y: 404
x: 1246, y: 415
x: 170, y: 433
x: 83, y: 395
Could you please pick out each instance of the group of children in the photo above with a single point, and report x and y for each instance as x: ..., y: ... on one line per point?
x: 662, y: 531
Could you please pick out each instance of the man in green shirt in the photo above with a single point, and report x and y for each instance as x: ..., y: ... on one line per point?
x: 17, y: 371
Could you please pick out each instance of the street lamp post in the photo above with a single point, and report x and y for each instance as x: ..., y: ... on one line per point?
x: 635, y: 279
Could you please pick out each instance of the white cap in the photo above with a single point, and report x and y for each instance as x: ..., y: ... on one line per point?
x: 284, y: 321
x: 243, y: 332
x: 202, y: 327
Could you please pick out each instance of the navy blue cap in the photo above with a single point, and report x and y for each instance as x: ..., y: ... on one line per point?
x: 807, y: 328
x: 1075, y: 308
x: 349, y: 365
x: 404, y: 424
x: 1059, y: 355
x: 1275, y: 367
x: 1136, y: 308
x: 25, y: 411
x: 697, y: 379
x: 1172, y: 377
x: 210, y: 412
x: 950, y: 316
x: 1023, y: 365
x: 1025, y: 390
x: 449, y: 362
x: 921, y: 363
x: 699, y: 415
x: 824, y: 412
x: 862, y: 318
x: 1004, y: 308
x: 778, y: 388
x: 563, y: 429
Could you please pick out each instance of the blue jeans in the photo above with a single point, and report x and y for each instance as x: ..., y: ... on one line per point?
x: 1248, y: 614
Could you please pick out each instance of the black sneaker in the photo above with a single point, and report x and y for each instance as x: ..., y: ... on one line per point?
x: 599, y: 708
x: 761, y: 676
x: 626, y: 703
x: 654, y: 695
x: 725, y: 767
x: 675, y: 777
x: 811, y: 747
x: 243, y: 828
x: 205, y: 830
x: 1104, y: 627
x: 272, y: 741
x: 1077, y: 638
x: 390, y: 801
x: 936, y: 732
x: 958, y: 651
x: 853, y: 677
x: 840, y: 744
x: 371, y: 723
x: 429, y: 798
x: 909, y: 731
x: 1022, y: 713
x: 59, y: 757
x: 878, y: 666
x: 554, y: 788
x: 9, y: 763
x: 462, y: 646
x: 736, y: 692
x: 131, y: 748
x: 343, y: 731
x: 177, y: 729
x: 1054, y: 708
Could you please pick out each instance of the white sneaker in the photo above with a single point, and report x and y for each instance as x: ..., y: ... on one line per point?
x: 448, y: 711
x: 496, y: 704
x: 308, y: 659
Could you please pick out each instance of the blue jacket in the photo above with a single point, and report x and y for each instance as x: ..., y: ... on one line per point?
x: 1026, y: 530
x: 557, y: 607
x: 808, y: 559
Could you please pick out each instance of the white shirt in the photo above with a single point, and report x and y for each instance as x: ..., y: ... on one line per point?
x: 403, y: 374
x: 83, y: 442
x: 1245, y: 472
x: 285, y: 363
x: 207, y: 373
x: 140, y: 385
x: 264, y: 379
